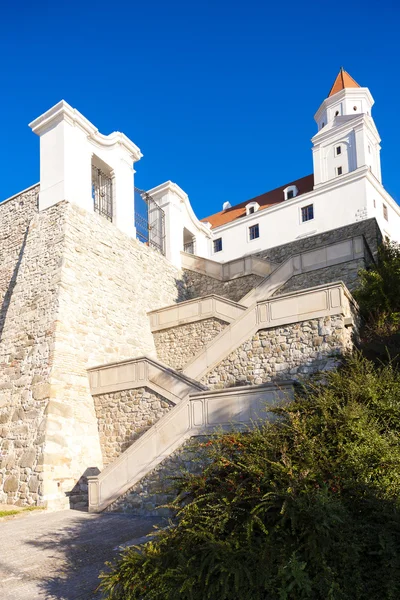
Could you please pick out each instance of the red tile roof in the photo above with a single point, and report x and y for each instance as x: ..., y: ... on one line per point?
x: 304, y: 185
x: 343, y: 80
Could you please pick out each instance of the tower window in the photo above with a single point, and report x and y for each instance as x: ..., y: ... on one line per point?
x: 218, y: 245
x: 339, y: 170
x: 338, y: 150
x: 254, y: 232
x: 369, y: 148
x: 307, y: 213
x: 354, y: 107
x: 336, y: 113
x: 374, y: 203
x: 385, y: 212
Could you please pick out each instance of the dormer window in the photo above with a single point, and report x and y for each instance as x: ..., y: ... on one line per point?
x: 252, y: 207
x: 290, y: 192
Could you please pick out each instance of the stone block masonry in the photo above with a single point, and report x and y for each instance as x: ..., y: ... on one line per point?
x: 288, y: 352
x: 123, y: 416
x: 368, y: 228
x: 346, y: 272
x: 198, y: 285
x: 75, y: 292
x: 177, y: 345
x: 148, y: 497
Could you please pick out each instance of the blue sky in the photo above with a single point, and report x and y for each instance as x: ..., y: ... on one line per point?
x: 219, y: 96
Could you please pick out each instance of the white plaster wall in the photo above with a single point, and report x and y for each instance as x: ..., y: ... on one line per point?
x: 335, y: 207
x: 68, y: 144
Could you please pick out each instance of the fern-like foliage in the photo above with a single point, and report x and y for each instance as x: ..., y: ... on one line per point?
x: 304, y: 507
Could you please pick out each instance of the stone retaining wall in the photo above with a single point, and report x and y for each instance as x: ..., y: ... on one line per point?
x: 75, y: 292
x: 198, y: 285
x: 346, y: 272
x: 288, y: 352
x: 124, y: 416
x: 31, y: 247
x: 177, y: 345
x: 368, y: 228
x: 148, y: 497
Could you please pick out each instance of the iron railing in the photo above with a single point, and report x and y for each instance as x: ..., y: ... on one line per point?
x: 149, y: 221
x: 189, y: 247
x: 102, y: 193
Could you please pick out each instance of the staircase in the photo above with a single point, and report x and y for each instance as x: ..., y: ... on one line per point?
x: 196, y: 410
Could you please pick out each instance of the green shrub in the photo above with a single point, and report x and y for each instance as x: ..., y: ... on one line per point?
x: 379, y: 291
x: 306, y: 507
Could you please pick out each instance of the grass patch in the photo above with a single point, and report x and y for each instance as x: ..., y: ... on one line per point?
x: 7, y: 513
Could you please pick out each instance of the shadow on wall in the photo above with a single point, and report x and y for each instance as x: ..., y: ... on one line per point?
x: 78, y: 496
x: 13, y: 281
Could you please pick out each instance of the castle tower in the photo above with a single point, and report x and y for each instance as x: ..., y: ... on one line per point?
x: 347, y: 138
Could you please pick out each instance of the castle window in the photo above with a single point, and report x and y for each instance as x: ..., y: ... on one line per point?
x: 252, y: 207
x: 290, y: 192
x: 339, y: 170
x: 385, y: 212
x: 102, y: 193
x: 218, y: 245
x: 254, y: 232
x: 307, y: 213
x: 338, y: 150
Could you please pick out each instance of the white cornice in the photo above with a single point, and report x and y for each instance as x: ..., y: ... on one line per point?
x: 168, y: 186
x: 171, y: 187
x: 340, y: 96
x: 328, y: 133
x: 62, y: 111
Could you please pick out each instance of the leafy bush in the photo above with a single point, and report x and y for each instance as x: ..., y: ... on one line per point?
x: 379, y: 291
x: 306, y: 507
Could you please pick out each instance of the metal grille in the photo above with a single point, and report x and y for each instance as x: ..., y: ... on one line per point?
x: 102, y: 193
x: 189, y: 247
x: 149, y: 221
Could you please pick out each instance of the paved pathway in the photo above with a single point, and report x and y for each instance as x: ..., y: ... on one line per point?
x: 58, y: 556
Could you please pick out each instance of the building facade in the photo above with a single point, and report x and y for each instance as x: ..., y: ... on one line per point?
x: 345, y: 187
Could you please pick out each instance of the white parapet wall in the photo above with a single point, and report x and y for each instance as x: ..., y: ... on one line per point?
x: 195, y: 310
x: 240, y: 267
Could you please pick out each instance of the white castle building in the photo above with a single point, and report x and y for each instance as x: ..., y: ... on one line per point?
x: 345, y: 187
x: 128, y: 325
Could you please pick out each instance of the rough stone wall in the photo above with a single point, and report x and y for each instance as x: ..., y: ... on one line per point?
x: 368, y: 228
x: 124, y: 416
x: 31, y: 248
x: 109, y: 283
x: 346, y: 272
x: 285, y: 352
x: 177, y: 345
x: 148, y: 497
x: 198, y: 285
x: 75, y: 293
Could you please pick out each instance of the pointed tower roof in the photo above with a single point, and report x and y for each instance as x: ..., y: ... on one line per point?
x: 343, y: 80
